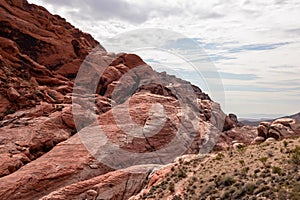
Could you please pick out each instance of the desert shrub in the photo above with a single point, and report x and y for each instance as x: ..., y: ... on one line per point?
x: 177, y: 197
x: 224, y: 181
x: 295, y: 155
x: 276, y: 170
x: 245, y: 170
x: 261, y: 189
x: 295, y: 193
x: 194, y: 179
x: 219, y: 156
x: 248, y: 188
x: 181, y: 174
x: 285, y: 143
x: 242, y: 162
x: 263, y: 160
x: 171, y: 187
x: 241, y: 149
x: 228, y: 193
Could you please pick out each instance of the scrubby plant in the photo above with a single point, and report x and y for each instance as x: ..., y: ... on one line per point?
x: 171, y: 187
x: 276, y: 170
x: 242, y: 162
x: 224, y: 180
x: 177, y: 197
x: 248, y: 188
x: 219, y: 156
x: 241, y: 149
x: 295, y: 155
x: 181, y: 174
x: 245, y: 170
x: 172, y: 168
x: 263, y: 160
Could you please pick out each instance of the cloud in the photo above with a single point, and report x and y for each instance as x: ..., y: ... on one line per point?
x: 259, y: 88
x: 257, y: 47
x: 294, y: 30
x: 130, y: 11
x: 226, y: 75
x: 254, y: 44
x: 104, y: 10
x: 284, y: 67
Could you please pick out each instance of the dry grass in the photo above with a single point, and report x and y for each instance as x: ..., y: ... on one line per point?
x: 265, y: 171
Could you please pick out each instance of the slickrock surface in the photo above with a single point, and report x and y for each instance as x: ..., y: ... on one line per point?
x: 40, y: 54
x: 64, y: 136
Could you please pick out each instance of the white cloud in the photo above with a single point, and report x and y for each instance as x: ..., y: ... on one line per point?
x: 219, y: 26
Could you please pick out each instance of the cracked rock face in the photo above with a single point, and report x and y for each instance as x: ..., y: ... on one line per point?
x: 279, y: 129
x: 50, y: 151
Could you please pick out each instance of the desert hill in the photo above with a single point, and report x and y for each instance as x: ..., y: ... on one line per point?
x: 50, y: 143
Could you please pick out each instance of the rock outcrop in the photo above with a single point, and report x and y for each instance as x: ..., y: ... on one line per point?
x: 40, y: 54
x: 69, y: 162
x: 64, y: 136
x: 118, y: 185
x: 278, y: 129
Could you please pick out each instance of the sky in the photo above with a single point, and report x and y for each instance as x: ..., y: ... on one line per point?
x: 251, y: 47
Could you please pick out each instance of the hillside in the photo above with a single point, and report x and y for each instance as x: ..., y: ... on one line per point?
x: 266, y: 171
x: 78, y: 122
x: 49, y: 122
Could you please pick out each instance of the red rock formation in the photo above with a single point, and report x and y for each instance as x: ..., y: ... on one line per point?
x: 41, y: 153
x: 117, y: 185
x: 35, y: 48
x: 69, y: 162
x: 278, y: 129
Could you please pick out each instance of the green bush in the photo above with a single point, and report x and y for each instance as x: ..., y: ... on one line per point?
x: 241, y: 149
x: 171, y: 187
x: 276, y: 170
x: 245, y: 170
x: 219, y: 156
x: 225, y: 181
x: 242, y: 162
x: 263, y: 160
x: 181, y: 174
x: 295, y: 157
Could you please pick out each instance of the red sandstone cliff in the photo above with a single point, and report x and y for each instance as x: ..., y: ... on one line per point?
x: 41, y: 153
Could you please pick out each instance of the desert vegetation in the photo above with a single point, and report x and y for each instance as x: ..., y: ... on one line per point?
x: 264, y: 171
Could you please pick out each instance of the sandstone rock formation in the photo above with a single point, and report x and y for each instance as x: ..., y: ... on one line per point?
x: 118, y: 185
x: 278, y: 129
x: 40, y: 54
x: 50, y: 143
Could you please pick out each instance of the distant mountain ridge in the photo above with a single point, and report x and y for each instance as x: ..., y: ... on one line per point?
x: 255, y: 122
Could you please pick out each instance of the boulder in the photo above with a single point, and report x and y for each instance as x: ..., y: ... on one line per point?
x: 258, y: 140
x: 270, y: 140
x: 285, y: 121
x: 66, y: 164
x: 4, y: 105
x: 12, y: 94
x: 262, y: 130
x: 120, y: 184
x: 279, y: 129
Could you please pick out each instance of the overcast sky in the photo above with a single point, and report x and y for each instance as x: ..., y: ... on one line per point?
x: 254, y: 45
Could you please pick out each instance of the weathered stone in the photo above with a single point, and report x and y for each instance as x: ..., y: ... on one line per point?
x: 12, y: 94
x: 258, y: 140
x: 262, y: 131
